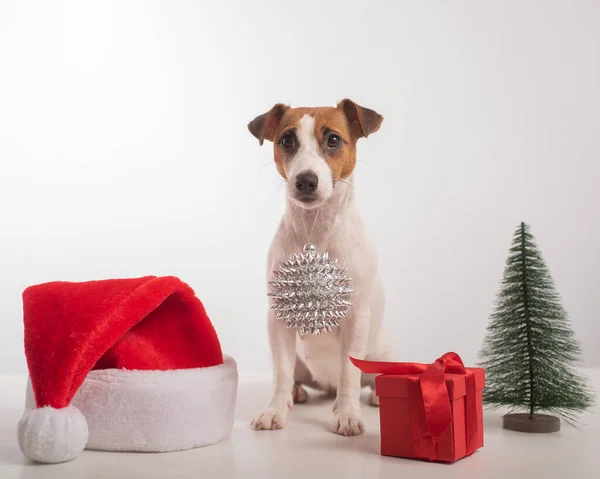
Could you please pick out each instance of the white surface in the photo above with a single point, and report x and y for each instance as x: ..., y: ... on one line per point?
x: 124, y: 151
x: 306, y: 449
x: 169, y: 410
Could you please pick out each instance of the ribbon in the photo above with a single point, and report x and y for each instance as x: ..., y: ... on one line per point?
x: 436, y: 401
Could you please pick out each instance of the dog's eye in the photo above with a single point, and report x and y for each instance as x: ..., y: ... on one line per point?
x: 333, y: 141
x: 287, y: 141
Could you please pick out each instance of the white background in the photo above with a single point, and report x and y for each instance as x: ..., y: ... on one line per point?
x: 124, y: 151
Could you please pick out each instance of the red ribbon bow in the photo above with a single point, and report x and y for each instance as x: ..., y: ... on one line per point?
x: 436, y: 401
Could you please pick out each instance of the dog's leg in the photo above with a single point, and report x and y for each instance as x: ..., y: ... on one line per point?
x: 299, y: 394
x: 368, y: 380
x: 354, y: 331
x: 283, y: 350
x: 302, y: 376
x: 383, y: 352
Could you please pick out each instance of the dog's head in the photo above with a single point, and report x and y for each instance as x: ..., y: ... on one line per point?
x: 315, y: 147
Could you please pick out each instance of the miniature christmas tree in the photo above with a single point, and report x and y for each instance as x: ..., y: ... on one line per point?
x: 530, y: 350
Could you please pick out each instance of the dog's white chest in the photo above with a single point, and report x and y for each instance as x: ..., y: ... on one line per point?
x: 321, y: 354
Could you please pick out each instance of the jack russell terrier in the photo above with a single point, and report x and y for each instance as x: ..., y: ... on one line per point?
x: 315, y: 153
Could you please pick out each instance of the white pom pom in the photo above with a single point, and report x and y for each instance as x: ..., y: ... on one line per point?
x: 52, y: 435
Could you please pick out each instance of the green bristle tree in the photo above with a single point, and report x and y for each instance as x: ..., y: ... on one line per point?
x: 530, y: 351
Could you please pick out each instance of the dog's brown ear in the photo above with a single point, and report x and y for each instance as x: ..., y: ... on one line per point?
x: 263, y: 126
x: 362, y: 121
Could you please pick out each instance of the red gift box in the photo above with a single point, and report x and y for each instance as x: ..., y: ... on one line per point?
x: 428, y: 411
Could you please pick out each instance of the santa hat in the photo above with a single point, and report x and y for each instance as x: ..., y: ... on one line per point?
x: 122, y: 365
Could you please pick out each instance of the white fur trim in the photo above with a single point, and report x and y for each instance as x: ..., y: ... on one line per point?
x: 52, y: 435
x: 157, y: 411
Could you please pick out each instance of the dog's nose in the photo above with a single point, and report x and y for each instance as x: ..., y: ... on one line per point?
x: 307, y: 182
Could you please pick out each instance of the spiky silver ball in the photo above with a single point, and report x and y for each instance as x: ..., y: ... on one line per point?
x: 310, y: 292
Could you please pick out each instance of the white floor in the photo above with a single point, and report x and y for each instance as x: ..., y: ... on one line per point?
x: 307, y: 450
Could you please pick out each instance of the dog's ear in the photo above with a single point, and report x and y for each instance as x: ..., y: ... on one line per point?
x: 362, y: 121
x: 263, y: 126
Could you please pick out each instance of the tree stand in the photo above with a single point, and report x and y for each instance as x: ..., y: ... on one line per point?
x: 536, y: 423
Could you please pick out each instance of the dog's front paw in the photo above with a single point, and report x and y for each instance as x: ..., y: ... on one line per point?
x: 347, y: 424
x: 269, y: 419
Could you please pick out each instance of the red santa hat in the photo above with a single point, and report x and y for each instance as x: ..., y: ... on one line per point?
x: 122, y: 365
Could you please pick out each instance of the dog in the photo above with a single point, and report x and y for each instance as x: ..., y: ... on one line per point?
x: 315, y: 154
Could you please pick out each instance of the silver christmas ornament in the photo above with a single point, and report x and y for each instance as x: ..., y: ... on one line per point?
x: 310, y: 292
